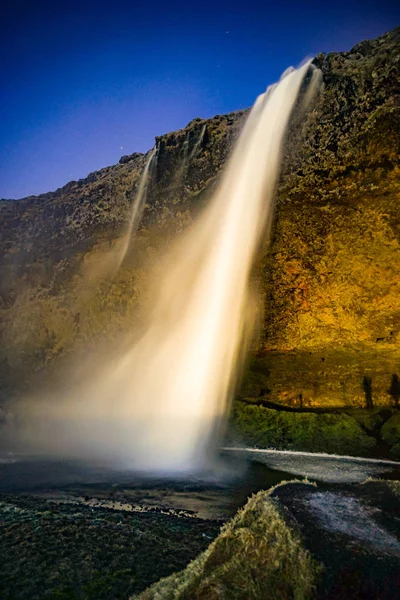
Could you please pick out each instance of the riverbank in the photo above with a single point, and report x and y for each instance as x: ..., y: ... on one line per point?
x: 358, y: 432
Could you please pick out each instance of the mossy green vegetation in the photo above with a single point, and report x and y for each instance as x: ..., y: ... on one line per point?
x: 255, y: 426
x: 67, y: 552
x: 257, y: 556
x: 392, y: 484
x: 391, y: 434
x: 391, y: 429
x: 395, y: 487
x: 370, y: 420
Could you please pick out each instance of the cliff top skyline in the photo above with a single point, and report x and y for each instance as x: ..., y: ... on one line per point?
x: 85, y: 84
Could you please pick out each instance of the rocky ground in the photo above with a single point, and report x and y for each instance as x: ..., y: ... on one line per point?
x: 64, y: 551
x: 76, y: 531
x: 354, y: 531
x: 86, y: 533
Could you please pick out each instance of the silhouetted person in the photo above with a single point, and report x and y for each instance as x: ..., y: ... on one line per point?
x: 264, y: 391
x: 367, y: 385
x: 394, y: 389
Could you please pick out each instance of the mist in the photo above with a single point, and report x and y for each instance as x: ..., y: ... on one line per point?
x: 160, y: 402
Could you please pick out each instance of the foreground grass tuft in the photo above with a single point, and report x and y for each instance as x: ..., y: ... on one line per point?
x: 392, y: 484
x: 395, y: 487
x: 255, y: 557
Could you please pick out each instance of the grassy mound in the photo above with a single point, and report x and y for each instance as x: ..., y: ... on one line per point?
x: 255, y: 557
x: 261, y: 427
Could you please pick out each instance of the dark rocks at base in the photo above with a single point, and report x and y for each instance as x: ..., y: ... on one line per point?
x: 354, y: 531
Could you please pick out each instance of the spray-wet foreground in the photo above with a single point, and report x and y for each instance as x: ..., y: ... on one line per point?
x: 74, y: 531
x: 70, y: 530
x: 354, y: 531
x: 69, y: 551
x: 300, y: 540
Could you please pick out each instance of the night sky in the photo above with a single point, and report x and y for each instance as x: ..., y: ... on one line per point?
x: 84, y: 83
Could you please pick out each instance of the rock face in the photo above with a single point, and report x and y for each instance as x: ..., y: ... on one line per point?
x: 335, y: 276
x: 330, y: 277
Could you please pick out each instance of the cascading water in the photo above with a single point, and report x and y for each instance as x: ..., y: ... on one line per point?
x: 158, y: 404
x: 141, y: 194
x: 198, y: 143
x: 181, y: 170
x: 137, y: 207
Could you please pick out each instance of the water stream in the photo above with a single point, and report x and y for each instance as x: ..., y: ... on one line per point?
x: 137, y: 207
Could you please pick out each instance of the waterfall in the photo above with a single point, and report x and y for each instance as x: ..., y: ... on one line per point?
x: 198, y: 143
x: 181, y: 170
x: 137, y: 207
x: 158, y: 403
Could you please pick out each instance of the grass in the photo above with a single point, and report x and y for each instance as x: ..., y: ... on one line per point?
x: 395, y: 487
x: 65, y: 552
x: 392, y: 484
x: 261, y: 427
x: 255, y: 557
x: 391, y: 434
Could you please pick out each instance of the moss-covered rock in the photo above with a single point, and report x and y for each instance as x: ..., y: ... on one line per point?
x: 371, y: 420
x: 395, y: 450
x: 391, y: 434
x: 395, y: 487
x: 256, y: 426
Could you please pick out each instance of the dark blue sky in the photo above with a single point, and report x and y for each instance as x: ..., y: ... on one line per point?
x: 84, y: 83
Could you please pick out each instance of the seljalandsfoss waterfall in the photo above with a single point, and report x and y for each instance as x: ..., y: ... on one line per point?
x: 200, y: 329
x: 160, y: 402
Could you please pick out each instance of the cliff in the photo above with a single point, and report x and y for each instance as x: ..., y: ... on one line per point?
x: 330, y: 277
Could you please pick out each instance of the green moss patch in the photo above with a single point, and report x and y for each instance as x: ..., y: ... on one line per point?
x: 370, y: 420
x: 391, y: 430
x: 261, y: 427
